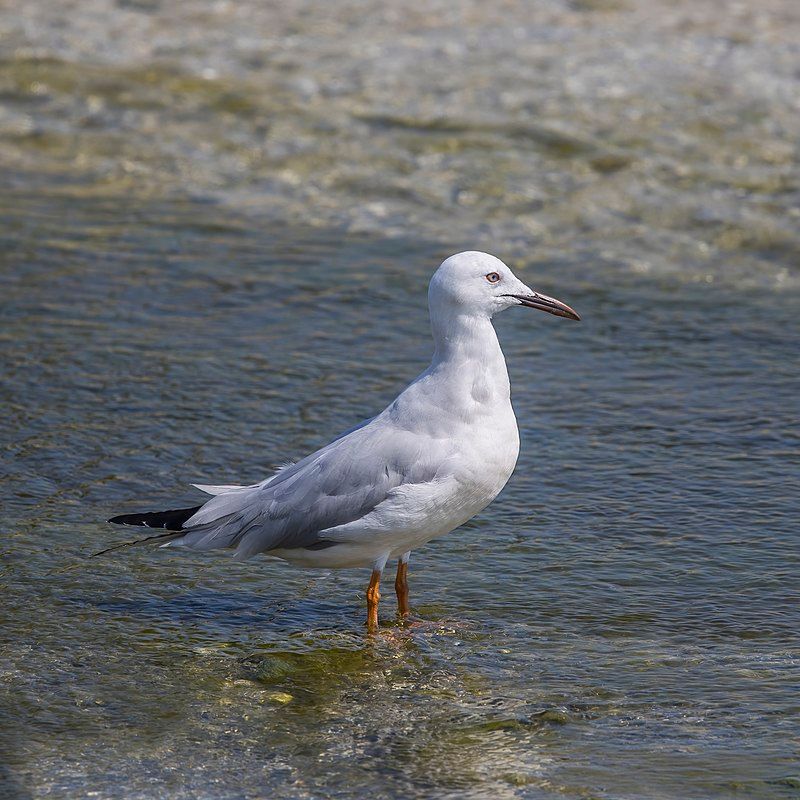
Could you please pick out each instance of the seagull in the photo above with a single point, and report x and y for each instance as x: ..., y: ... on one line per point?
x: 438, y: 454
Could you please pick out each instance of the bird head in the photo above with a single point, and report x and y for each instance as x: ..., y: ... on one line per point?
x: 478, y: 283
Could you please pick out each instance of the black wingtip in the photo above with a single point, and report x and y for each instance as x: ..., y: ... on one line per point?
x: 168, y: 520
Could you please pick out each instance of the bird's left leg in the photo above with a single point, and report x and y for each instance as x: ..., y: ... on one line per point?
x: 401, y: 585
x: 373, y: 593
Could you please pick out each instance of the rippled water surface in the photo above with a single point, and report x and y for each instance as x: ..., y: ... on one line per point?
x: 217, y: 231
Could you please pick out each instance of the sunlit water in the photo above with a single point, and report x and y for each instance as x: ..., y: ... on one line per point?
x: 622, y: 622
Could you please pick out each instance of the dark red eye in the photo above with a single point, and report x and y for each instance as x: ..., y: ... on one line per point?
x: 493, y: 277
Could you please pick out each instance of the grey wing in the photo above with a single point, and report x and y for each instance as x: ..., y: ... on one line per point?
x: 336, y: 485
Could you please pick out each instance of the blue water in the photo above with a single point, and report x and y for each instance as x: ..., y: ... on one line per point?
x: 622, y: 621
x: 217, y: 225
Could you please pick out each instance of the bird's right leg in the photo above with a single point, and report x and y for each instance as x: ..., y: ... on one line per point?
x: 401, y: 585
x: 374, y: 594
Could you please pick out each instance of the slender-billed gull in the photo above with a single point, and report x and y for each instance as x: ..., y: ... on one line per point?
x: 439, y: 453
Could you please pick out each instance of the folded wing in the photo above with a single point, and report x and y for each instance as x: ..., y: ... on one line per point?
x: 334, y: 486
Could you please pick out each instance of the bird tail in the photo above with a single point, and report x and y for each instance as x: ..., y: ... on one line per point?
x: 172, y: 521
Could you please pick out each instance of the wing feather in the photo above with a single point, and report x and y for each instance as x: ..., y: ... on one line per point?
x: 334, y: 486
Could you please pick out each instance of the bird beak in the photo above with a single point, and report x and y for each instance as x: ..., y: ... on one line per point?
x: 544, y: 303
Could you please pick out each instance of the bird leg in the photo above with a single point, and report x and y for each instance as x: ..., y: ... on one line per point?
x: 373, y: 596
x: 401, y: 588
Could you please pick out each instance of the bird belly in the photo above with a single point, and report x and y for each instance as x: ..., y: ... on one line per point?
x: 341, y: 555
x: 413, y: 514
x: 405, y: 521
x: 362, y: 543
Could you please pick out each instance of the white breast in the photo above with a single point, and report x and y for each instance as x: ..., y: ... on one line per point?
x: 460, y: 408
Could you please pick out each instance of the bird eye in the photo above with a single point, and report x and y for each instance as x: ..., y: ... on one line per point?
x: 493, y: 277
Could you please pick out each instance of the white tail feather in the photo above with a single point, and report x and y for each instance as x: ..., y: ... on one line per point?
x: 209, y: 489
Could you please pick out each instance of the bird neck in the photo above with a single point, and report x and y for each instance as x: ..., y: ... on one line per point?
x: 466, y: 381
x: 461, y: 338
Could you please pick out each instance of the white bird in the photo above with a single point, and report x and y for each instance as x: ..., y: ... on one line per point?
x: 438, y: 454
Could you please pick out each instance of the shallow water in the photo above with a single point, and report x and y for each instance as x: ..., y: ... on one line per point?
x: 622, y: 622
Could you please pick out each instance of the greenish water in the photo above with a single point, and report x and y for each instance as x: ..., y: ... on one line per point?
x: 199, y: 264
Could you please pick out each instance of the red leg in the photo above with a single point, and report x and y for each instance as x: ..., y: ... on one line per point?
x: 373, y: 596
x: 401, y: 588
